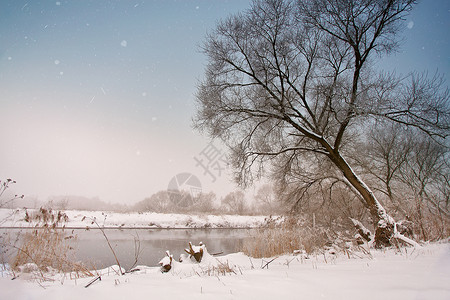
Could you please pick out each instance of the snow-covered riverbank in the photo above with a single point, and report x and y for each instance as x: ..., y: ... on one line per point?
x: 384, y: 274
x: 83, y: 219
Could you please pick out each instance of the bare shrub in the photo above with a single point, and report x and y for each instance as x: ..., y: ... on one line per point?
x: 4, y: 185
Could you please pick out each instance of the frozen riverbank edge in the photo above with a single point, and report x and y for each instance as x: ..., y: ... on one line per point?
x: 15, y: 218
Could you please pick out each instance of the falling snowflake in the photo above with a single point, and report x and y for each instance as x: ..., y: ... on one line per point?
x: 58, y: 3
x: 57, y: 62
x: 123, y: 43
x: 410, y: 25
x: 9, y: 58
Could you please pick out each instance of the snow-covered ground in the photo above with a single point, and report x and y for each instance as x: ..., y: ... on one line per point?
x: 388, y: 274
x: 15, y: 218
x: 409, y: 273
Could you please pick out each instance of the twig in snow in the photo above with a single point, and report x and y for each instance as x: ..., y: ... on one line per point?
x: 288, y: 262
x: 102, y: 229
x: 251, y: 262
x: 267, y: 264
x: 137, y: 251
x: 99, y: 278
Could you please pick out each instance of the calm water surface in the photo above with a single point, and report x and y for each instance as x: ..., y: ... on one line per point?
x: 92, y: 249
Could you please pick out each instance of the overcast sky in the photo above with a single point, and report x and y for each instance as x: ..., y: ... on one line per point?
x: 97, y: 97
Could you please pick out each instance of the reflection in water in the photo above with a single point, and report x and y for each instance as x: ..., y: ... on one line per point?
x: 92, y: 248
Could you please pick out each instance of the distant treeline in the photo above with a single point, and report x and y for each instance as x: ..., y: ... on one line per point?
x: 166, y: 201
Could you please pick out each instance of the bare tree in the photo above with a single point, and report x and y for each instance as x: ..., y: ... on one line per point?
x: 410, y: 173
x: 386, y: 154
x: 158, y: 202
x: 267, y: 201
x: 204, y: 203
x: 425, y: 176
x: 288, y: 83
x: 234, y: 202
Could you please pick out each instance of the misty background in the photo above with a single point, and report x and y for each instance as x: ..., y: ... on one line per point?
x: 97, y: 97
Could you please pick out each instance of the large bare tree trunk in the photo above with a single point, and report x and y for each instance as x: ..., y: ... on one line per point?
x: 384, y: 224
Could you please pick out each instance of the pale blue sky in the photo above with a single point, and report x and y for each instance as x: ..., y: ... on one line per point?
x: 97, y: 97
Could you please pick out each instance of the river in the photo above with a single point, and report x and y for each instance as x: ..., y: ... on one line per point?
x: 91, y: 247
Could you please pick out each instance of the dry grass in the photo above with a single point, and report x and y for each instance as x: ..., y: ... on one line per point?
x: 284, y: 238
x: 46, y: 218
x: 222, y: 269
x: 47, y: 248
